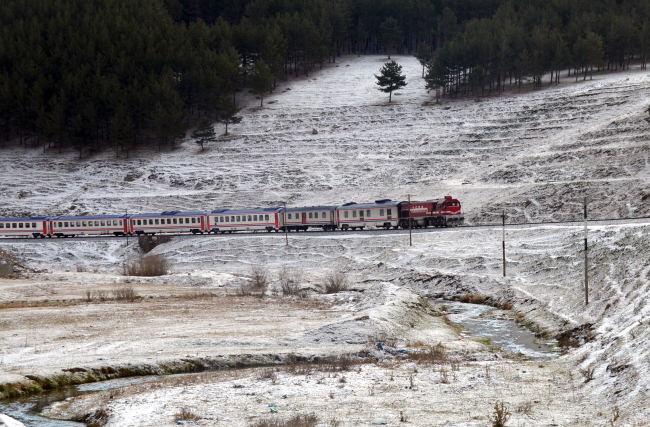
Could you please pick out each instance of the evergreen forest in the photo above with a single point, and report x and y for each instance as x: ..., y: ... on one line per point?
x: 121, y: 74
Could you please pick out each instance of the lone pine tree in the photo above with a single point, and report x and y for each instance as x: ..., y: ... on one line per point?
x: 204, y: 134
x: 261, y: 81
x: 227, y: 113
x: 390, y: 78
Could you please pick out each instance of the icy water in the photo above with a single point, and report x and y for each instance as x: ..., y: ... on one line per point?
x: 26, y: 409
x: 503, y: 333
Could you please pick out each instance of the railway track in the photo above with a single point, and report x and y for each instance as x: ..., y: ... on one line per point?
x: 592, y: 222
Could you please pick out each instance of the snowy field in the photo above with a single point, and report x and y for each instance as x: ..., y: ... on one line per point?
x: 535, y: 154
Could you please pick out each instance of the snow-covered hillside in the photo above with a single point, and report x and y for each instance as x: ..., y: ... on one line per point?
x: 534, y: 153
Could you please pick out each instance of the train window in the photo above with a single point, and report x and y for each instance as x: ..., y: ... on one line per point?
x: 27, y: 225
x: 254, y: 217
x: 65, y: 224
x: 324, y: 215
x: 33, y: 225
x: 96, y: 223
x: 232, y: 219
x: 368, y: 213
x: 354, y: 214
x: 103, y: 223
x: 220, y: 219
x: 345, y: 214
x: 175, y: 221
x: 311, y: 215
x: 388, y: 211
x: 120, y: 222
x: 14, y: 225
x: 266, y: 217
x: 187, y: 220
x: 2, y: 225
x: 250, y: 217
x: 156, y: 221
x: 84, y: 224
x: 60, y: 224
x: 289, y: 216
x: 238, y: 218
x: 169, y: 221
x: 227, y: 219
x: 381, y: 212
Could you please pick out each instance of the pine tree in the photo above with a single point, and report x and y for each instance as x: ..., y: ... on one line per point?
x: 391, y: 78
x: 261, y: 81
x: 204, y: 134
x: 227, y: 113
x: 423, y: 55
x: 391, y: 35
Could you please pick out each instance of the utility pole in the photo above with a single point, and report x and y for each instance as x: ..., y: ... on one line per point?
x: 586, y: 257
x: 410, y: 235
x: 284, y: 224
x: 503, y: 242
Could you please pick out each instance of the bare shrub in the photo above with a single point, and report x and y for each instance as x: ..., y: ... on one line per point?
x: 336, y: 282
x: 341, y: 363
x: 289, y: 282
x: 500, y: 416
x: 472, y: 299
x: 81, y: 268
x: 525, y: 407
x: 101, y: 295
x: 403, y: 418
x: 244, y: 290
x: 382, y: 339
x: 125, y: 293
x: 90, y: 295
x: 97, y: 418
x: 259, y: 282
x: 588, y: 373
x: 506, y: 306
x: 186, y: 414
x: 147, y: 266
x: 298, y: 420
x: 267, y: 374
x: 259, y: 278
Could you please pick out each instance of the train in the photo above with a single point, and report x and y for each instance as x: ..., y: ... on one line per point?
x: 379, y: 214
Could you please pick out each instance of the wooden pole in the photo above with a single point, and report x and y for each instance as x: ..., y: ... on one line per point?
x: 284, y: 224
x: 503, y: 241
x: 586, y: 257
x: 410, y: 228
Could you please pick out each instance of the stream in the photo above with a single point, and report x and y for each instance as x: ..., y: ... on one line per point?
x: 503, y: 333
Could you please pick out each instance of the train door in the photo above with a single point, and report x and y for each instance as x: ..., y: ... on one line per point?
x: 304, y: 217
x: 124, y: 225
x: 389, y: 213
x: 44, y: 228
x: 277, y: 221
x: 331, y: 217
x: 202, y: 223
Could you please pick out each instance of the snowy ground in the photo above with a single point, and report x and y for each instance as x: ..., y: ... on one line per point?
x: 424, y: 394
x: 535, y: 154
